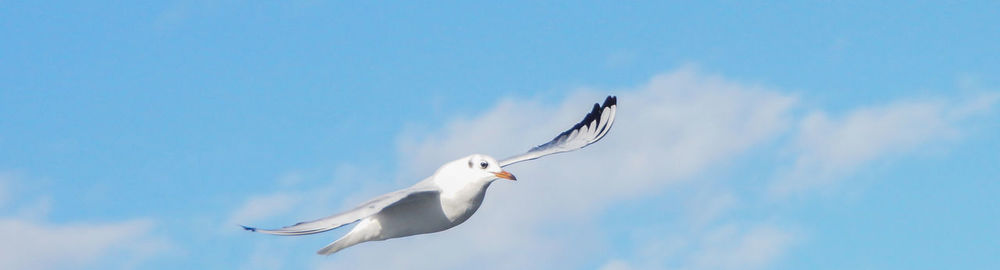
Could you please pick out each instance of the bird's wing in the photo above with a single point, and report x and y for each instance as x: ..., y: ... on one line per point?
x: 362, y: 211
x: 594, y: 126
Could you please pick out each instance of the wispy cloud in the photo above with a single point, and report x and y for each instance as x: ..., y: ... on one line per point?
x: 829, y: 148
x: 736, y: 247
x: 30, y: 242
x: 260, y: 207
x: 708, y: 237
x: 727, y: 246
x: 38, y: 245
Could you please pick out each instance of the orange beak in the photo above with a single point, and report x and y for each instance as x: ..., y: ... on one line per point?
x: 506, y: 175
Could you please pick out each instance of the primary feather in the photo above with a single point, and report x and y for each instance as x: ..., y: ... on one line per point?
x: 591, y: 129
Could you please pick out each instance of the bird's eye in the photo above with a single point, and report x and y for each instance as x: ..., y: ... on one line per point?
x: 484, y: 164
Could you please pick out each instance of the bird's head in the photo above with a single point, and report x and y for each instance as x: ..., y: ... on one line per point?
x: 487, y: 168
x: 473, y: 169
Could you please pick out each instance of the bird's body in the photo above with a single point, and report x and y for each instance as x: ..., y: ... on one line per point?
x: 448, y: 197
x: 453, y: 203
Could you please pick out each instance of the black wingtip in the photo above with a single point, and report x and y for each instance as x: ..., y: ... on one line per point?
x: 595, y: 113
x: 593, y: 116
x: 610, y: 101
x: 252, y: 229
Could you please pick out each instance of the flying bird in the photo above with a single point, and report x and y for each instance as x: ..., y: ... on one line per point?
x: 448, y: 197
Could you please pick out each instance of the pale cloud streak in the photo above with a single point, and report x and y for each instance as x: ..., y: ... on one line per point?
x: 38, y: 245
x: 30, y: 242
x: 733, y: 247
x: 829, y: 148
x: 725, y: 246
x: 260, y: 207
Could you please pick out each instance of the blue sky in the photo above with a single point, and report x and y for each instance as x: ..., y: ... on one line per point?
x: 752, y: 136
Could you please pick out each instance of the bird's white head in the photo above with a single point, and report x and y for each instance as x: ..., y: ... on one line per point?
x: 473, y: 169
x: 487, y: 168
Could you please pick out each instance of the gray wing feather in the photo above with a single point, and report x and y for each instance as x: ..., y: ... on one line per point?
x: 592, y: 128
x: 362, y: 211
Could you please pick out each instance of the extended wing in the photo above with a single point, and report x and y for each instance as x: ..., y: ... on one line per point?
x: 362, y: 211
x: 594, y: 126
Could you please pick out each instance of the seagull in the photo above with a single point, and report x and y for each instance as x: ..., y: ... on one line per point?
x: 448, y: 197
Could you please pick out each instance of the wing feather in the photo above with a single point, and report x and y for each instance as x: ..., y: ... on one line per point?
x: 594, y: 126
x: 362, y: 211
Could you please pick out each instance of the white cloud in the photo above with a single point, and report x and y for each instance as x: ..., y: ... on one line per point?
x: 35, y: 245
x: 726, y: 246
x: 30, y: 242
x: 732, y: 247
x: 706, y: 238
x: 616, y: 265
x: 261, y: 207
x: 706, y: 207
x: 829, y: 148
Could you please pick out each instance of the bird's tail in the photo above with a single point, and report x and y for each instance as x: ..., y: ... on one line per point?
x: 341, y: 243
x: 363, y: 232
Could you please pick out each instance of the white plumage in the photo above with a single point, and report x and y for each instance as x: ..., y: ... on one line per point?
x: 448, y: 197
